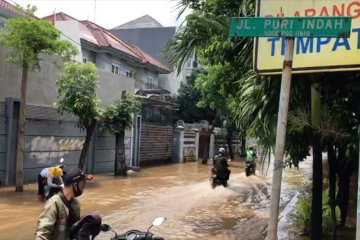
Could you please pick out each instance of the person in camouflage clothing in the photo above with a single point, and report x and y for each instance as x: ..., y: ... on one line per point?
x: 63, y: 209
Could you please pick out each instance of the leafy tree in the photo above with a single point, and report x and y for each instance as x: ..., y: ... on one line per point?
x: 338, y: 135
x: 77, y: 95
x: 254, y: 100
x: 188, y: 97
x: 28, y: 40
x: 224, y: 60
x: 118, y: 118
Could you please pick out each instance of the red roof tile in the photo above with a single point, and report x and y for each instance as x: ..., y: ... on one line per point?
x: 4, y: 4
x: 147, y: 58
x: 101, y: 37
x: 12, y: 8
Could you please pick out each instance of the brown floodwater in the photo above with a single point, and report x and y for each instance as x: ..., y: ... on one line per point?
x: 179, y: 192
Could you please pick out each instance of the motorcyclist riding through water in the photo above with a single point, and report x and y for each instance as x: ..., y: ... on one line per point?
x: 250, y: 164
x: 220, y: 173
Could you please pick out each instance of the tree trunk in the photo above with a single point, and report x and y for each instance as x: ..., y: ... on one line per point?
x: 21, y: 130
x: 207, y: 145
x: 229, y: 142
x: 243, y: 144
x: 344, y: 170
x: 120, y: 165
x: 332, y: 188
x: 205, y: 154
x: 342, y: 199
x: 316, y: 204
x: 85, y: 149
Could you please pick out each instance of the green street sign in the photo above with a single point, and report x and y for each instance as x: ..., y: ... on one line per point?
x: 290, y: 27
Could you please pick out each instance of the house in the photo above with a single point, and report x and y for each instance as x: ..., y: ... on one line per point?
x: 50, y: 136
x: 150, y: 141
x: 109, y: 53
x: 151, y: 36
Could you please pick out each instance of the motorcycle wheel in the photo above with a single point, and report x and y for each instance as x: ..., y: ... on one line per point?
x: 247, y: 172
x: 212, y: 182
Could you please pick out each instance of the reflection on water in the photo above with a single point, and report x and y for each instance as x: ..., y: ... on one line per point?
x: 180, y: 192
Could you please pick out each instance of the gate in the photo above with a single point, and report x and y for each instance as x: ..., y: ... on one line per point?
x: 204, y: 144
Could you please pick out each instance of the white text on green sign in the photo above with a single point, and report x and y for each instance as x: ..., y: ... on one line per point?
x: 290, y: 27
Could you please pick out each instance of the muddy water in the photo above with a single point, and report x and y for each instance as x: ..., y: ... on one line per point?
x: 179, y: 192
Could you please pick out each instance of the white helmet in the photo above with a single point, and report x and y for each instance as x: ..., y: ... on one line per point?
x: 221, y: 150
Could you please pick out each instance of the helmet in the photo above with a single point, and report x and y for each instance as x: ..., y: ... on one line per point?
x: 221, y: 150
x: 75, y: 175
x: 251, y: 148
x: 55, y: 172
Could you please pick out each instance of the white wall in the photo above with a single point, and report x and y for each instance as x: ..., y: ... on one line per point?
x: 70, y: 30
x: 170, y: 82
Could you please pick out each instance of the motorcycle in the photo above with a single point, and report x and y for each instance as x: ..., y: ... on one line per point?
x: 220, y: 174
x: 214, y: 181
x: 136, y: 234
x: 250, y: 168
x: 89, y: 226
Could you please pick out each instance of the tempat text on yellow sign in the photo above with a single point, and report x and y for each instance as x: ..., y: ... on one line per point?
x: 319, y: 54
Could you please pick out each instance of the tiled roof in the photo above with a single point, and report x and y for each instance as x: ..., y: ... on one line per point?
x: 4, y: 4
x: 12, y: 8
x: 147, y: 58
x: 101, y: 37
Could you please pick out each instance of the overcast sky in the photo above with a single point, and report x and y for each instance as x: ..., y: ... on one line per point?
x: 109, y: 13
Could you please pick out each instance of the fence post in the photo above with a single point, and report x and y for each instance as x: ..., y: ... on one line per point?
x: 197, y: 137
x: 181, y: 144
x: 178, y: 145
x: 211, y: 145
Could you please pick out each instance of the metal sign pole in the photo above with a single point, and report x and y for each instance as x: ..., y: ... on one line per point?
x: 280, y: 139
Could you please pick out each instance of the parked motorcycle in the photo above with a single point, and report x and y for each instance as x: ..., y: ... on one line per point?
x: 136, y: 234
x: 250, y: 168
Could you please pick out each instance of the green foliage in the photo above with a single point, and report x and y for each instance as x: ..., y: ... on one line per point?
x: 327, y: 219
x: 77, y: 93
x: 188, y: 97
x: 118, y: 116
x: 30, y: 38
x: 303, y: 208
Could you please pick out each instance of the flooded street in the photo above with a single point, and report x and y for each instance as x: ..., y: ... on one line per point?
x: 179, y: 192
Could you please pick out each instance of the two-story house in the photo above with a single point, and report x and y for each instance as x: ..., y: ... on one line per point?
x: 151, y: 36
x: 50, y: 136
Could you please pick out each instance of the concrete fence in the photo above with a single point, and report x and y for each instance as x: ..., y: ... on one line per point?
x: 48, y: 137
x: 185, y: 145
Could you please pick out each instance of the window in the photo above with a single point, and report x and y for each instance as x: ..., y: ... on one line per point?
x: 150, y: 82
x: 130, y: 73
x: 115, y: 69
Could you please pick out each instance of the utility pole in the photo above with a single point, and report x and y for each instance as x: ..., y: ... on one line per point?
x: 280, y: 139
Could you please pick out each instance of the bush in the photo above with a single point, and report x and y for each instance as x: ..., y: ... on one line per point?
x: 303, y: 208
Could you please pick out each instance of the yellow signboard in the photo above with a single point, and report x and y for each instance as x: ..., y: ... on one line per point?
x: 310, y: 54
